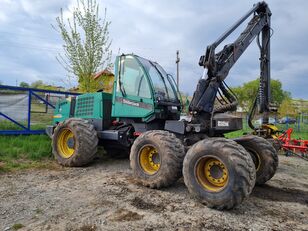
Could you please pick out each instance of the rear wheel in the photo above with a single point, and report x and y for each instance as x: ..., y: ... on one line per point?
x: 74, y: 142
x: 219, y: 172
x: 156, y: 158
x: 264, y: 156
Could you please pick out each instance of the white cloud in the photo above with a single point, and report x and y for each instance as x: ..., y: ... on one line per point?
x: 155, y: 30
x: 3, y: 17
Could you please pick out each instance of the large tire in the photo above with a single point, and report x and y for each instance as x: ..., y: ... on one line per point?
x: 165, y: 153
x: 263, y: 154
x: 74, y: 142
x: 219, y: 172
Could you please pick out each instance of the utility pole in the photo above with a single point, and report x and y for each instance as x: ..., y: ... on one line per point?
x: 177, y: 69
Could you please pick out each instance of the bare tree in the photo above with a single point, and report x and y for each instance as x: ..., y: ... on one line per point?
x: 86, y: 43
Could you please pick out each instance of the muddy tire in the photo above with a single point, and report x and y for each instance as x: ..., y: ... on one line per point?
x: 264, y: 156
x: 74, y: 142
x: 156, y: 158
x: 219, y: 172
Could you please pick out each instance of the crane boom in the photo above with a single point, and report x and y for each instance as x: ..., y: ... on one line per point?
x: 219, y: 64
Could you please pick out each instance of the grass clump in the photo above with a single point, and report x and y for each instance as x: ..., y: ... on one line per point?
x: 24, y: 151
x: 17, y: 226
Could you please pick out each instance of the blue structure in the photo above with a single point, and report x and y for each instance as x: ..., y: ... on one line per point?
x: 32, y: 93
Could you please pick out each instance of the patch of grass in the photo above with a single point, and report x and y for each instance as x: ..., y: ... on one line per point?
x: 235, y: 134
x: 17, y: 226
x: 22, y: 152
x: 38, y: 114
x: 7, y: 125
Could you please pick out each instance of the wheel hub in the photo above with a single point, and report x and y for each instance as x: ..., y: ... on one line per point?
x: 216, y: 172
x: 71, y: 142
x: 154, y: 158
x: 149, y: 159
x: 211, y: 173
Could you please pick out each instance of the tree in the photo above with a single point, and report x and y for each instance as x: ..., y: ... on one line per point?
x: 41, y: 85
x: 86, y: 43
x: 248, y: 91
x: 24, y: 84
x: 37, y: 84
x: 287, y: 108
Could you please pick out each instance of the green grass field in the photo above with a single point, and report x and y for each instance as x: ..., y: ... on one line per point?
x: 22, y: 152
x: 26, y: 151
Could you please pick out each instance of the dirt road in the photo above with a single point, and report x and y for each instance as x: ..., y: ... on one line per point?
x: 104, y: 196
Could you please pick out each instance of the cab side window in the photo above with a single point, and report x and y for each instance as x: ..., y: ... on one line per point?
x: 133, y: 79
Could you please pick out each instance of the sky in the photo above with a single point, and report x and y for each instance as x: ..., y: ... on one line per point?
x: 155, y: 30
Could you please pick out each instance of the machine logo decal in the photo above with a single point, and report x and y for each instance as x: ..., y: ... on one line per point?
x: 130, y: 103
x: 134, y: 103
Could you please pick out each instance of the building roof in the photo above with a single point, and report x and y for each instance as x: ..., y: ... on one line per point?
x: 103, y: 73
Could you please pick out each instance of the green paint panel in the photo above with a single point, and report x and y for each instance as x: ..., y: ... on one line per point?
x: 126, y: 107
x: 88, y: 106
x: 62, y: 111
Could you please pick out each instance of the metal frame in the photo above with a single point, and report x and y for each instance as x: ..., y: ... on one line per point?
x: 26, y: 130
x: 297, y: 147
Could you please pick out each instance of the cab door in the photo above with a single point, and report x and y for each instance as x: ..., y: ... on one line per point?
x: 133, y: 96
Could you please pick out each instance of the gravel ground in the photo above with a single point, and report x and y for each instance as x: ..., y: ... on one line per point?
x: 104, y: 196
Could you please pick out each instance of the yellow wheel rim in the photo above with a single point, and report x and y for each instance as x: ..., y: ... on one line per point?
x: 211, y: 174
x: 149, y: 159
x: 256, y: 159
x: 66, y: 143
x: 258, y: 163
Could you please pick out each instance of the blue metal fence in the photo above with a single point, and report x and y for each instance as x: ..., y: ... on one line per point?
x: 32, y: 93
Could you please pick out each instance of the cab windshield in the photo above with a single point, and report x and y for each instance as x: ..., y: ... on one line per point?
x: 162, y: 84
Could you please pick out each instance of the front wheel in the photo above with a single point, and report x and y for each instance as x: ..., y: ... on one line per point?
x: 156, y: 158
x: 74, y: 142
x: 219, y: 172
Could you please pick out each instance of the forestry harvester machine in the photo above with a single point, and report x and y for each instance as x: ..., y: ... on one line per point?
x: 142, y: 118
